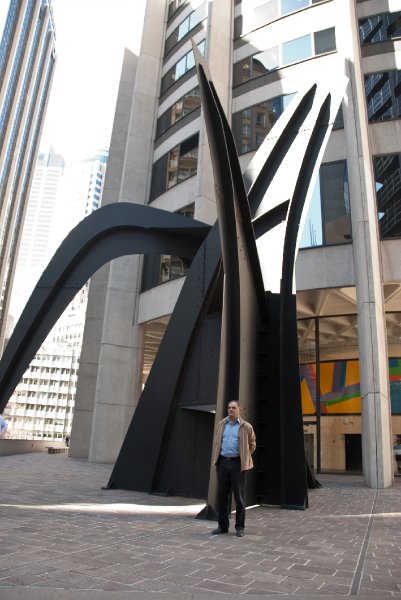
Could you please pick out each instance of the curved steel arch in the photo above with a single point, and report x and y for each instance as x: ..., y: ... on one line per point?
x: 110, y: 232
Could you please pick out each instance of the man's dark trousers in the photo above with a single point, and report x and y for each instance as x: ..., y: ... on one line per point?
x: 230, y: 478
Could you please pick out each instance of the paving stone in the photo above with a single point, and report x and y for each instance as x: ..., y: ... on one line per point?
x: 67, y: 537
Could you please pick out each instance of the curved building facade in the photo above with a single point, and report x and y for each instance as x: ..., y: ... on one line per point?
x: 347, y: 274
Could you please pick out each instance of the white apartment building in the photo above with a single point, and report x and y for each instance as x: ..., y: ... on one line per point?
x: 42, y: 406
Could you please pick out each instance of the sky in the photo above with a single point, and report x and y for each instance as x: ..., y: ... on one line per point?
x: 90, y: 39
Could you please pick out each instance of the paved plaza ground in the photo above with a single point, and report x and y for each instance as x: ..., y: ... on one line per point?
x: 63, y: 537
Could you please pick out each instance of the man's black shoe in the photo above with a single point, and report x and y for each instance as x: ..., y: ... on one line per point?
x: 240, y: 533
x: 218, y: 530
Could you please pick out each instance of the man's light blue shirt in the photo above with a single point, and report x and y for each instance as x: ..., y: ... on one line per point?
x: 230, y: 439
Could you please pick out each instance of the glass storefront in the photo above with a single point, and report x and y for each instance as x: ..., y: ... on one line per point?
x: 330, y: 390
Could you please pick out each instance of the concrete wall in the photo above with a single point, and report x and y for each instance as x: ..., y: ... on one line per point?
x: 8, y: 447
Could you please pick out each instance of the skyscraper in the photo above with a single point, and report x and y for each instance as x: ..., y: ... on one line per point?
x: 348, y: 275
x: 61, y: 196
x: 27, y: 60
x: 35, y: 248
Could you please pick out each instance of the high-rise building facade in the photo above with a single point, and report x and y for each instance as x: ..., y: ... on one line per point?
x: 35, y: 248
x: 27, y: 59
x: 62, y: 195
x: 42, y: 405
x: 260, y: 53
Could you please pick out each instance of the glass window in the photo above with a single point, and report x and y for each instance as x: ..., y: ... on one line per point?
x: 291, y: 52
x: 172, y: 167
x: 255, y: 13
x: 187, y: 25
x: 335, y: 203
x: 328, y: 220
x: 297, y: 50
x: 251, y: 125
x: 181, y: 67
x: 325, y: 40
x: 177, y: 165
x: 158, y: 185
x: 388, y: 194
x: 288, y: 6
x: 259, y: 138
x: 260, y: 119
x: 183, y: 28
x: 190, y: 61
x: 379, y: 28
x: 265, y: 61
x: 383, y: 95
x: 268, y: 11
x: 312, y: 234
x: 180, y: 109
x: 173, y: 6
x: 197, y: 16
x: 172, y: 267
x: 190, y: 102
x: 188, y: 158
x: 186, y: 63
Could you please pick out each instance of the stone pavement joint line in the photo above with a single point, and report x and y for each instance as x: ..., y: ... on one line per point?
x: 356, y: 584
x: 63, y: 537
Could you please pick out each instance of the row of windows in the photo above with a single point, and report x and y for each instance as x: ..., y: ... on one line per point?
x: 175, y: 166
x: 380, y: 28
x: 281, y: 55
x: 256, y: 13
x: 329, y: 217
x: 191, y: 21
x: 185, y: 64
x: 383, y: 98
x: 173, y: 6
x: 185, y: 105
x: 43, y: 407
x: 251, y: 125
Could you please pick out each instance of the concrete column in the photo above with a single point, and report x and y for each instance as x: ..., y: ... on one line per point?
x: 373, y: 357
x: 89, y: 360
x: 88, y: 365
x: 120, y: 362
x: 118, y: 384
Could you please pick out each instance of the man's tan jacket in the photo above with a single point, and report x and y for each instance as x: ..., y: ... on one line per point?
x: 247, y: 443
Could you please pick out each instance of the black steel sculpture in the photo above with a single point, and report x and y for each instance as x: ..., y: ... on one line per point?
x: 233, y: 331
x: 112, y: 231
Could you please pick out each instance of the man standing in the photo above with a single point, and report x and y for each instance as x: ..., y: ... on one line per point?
x: 234, y: 443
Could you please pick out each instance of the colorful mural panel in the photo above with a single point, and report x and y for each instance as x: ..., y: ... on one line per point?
x: 340, y: 387
x: 395, y: 385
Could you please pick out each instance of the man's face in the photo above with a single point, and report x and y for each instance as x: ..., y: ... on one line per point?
x: 233, y: 411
